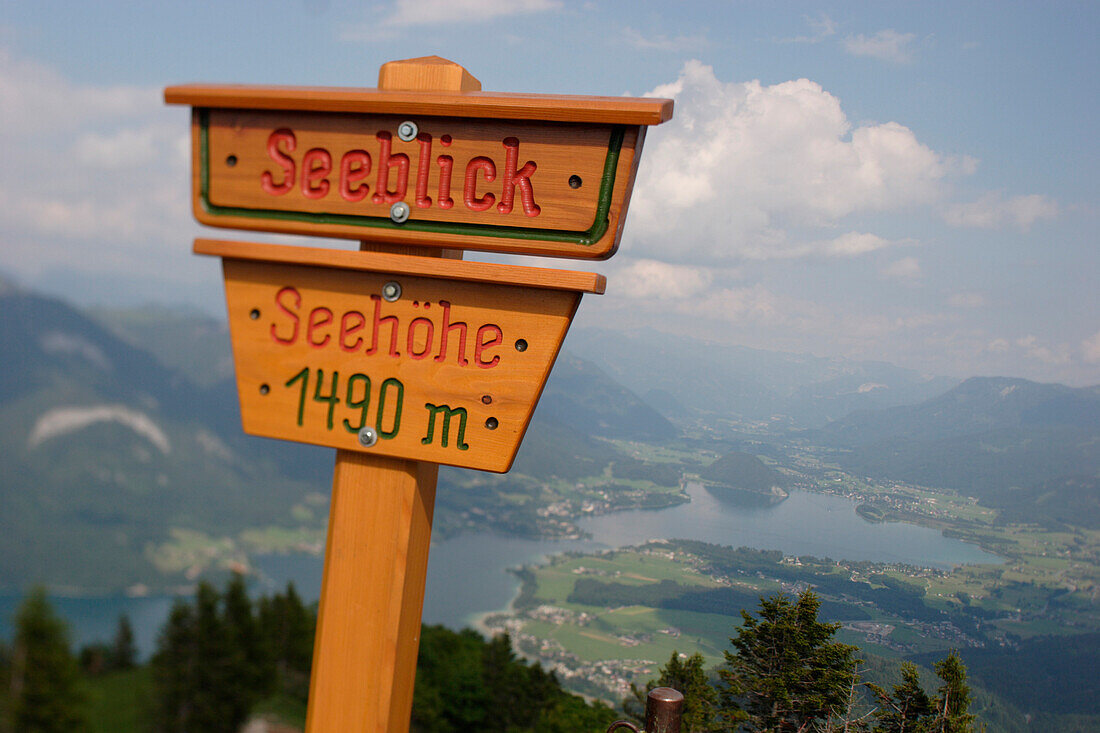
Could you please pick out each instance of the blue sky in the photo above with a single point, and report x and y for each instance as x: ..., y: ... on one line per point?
x: 910, y: 182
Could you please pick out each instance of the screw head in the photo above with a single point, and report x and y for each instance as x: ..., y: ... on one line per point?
x: 391, y: 291
x: 407, y: 131
x: 368, y: 436
x: 399, y: 212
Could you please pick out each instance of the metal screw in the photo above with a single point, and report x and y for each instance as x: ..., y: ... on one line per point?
x: 391, y: 291
x: 254, y: 313
x: 407, y: 131
x: 367, y: 437
x: 399, y: 212
x: 521, y: 344
x: 492, y: 423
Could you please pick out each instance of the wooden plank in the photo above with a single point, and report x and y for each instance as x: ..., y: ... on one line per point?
x: 400, y: 264
x: 546, y: 188
x: 365, y: 100
x: 376, y: 563
x: 372, y: 596
x: 448, y: 372
x: 426, y: 72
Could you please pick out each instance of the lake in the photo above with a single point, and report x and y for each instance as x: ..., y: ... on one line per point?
x: 468, y: 575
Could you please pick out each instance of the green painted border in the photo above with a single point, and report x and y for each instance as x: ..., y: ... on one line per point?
x: 585, y: 238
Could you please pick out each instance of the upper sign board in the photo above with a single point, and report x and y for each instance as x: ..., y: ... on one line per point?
x: 465, y: 170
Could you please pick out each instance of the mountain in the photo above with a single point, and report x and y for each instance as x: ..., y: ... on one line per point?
x: 581, y: 396
x: 1026, y: 448
x: 689, y: 379
x: 744, y: 472
x: 979, y: 404
x: 106, y: 453
x: 122, y: 457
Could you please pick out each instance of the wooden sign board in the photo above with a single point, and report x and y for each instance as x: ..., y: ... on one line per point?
x: 470, y: 170
x: 439, y: 360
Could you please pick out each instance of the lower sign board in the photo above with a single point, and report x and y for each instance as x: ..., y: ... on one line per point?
x: 427, y: 359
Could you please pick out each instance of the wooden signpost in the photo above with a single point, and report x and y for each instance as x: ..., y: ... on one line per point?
x: 401, y: 362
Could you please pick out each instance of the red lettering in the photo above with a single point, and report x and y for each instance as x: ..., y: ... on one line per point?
x: 360, y: 159
x: 469, y: 191
x: 294, y: 316
x: 513, y: 178
x: 314, y: 322
x: 346, y: 330
x: 427, y: 339
x: 446, y: 165
x: 382, y: 192
x: 423, y: 165
x: 378, y: 321
x: 446, y: 330
x: 267, y: 181
x: 316, y: 164
x: 480, y: 344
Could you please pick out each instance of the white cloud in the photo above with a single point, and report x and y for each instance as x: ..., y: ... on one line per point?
x: 742, y: 164
x: 1090, y: 348
x: 967, y: 300
x: 993, y: 210
x: 660, y: 42
x: 88, y: 164
x: 855, y: 243
x: 435, y: 12
x: 886, y: 45
x: 661, y: 280
x: 36, y: 99
x: 822, y: 27
x: 907, y: 268
x: 1046, y: 354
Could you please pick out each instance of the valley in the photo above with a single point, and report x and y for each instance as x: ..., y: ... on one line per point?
x: 126, y: 475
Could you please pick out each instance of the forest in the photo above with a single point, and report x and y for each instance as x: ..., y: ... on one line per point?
x: 224, y: 659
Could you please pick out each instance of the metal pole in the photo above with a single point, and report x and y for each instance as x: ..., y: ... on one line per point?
x: 663, y: 709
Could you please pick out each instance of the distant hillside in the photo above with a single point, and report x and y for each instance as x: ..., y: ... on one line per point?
x: 206, y: 359
x: 745, y: 472
x: 690, y: 378
x: 581, y: 396
x: 1029, y: 449
x: 104, y: 451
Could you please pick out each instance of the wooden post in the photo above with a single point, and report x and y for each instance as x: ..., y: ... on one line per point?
x: 379, y: 533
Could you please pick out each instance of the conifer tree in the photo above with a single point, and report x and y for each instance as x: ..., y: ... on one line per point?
x: 246, y: 654
x: 174, y: 671
x: 907, y: 709
x: 287, y: 629
x: 197, y: 670
x: 44, y: 675
x: 5, y: 687
x: 952, y: 703
x: 689, y: 678
x: 123, y: 653
x: 785, y: 672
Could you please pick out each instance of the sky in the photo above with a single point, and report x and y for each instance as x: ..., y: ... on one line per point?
x: 907, y: 182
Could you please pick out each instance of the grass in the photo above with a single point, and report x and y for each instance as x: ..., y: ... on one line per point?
x: 119, y: 702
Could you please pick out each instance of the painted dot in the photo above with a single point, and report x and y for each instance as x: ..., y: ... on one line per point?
x: 491, y: 423
x: 231, y: 161
x: 575, y: 181
x: 416, y: 304
x: 427, y: 305
x: 446, y: 140
x: 486, y: 399
x: 264, y: 389
x: 521, y: 344
x: 254, y: 314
